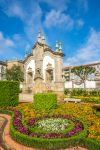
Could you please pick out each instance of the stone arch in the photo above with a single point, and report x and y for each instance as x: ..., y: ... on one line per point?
x: 47, y: 61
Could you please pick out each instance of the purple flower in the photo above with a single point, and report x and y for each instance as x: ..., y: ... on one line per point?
x: 23, y: 130
x: 31, y: 121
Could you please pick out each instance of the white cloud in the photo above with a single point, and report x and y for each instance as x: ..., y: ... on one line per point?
x: 58, y: 19
x: 7, y: 48
x: 6, y: 41
x: 89, y: 52
x: 57, y: 5
x: 16, y: 10
x: 9, y: 42
x: 80, y: 23
x: 29, y: 14
x: 1, y: 36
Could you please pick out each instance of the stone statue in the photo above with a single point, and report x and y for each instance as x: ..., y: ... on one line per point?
x: 38, y: 73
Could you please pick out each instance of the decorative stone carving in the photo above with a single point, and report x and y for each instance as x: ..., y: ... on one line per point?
x: 38, y: 74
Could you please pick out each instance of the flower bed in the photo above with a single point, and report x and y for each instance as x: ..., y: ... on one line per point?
x: 51, y: 130
x: 82, y: 112
x: 22, y: 133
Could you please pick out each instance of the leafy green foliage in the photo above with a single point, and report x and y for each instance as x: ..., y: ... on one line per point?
x: 45, y: 101
x: 83, y: 71
x: 9, y: 93
x: 15, y: 74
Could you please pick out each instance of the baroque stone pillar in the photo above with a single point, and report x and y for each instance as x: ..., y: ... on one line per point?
x: 59, y: 84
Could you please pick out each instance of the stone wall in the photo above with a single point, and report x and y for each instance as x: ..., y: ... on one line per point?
x: 89, y: 84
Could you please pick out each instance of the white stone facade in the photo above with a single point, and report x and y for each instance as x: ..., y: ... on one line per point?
x: 44, y: 65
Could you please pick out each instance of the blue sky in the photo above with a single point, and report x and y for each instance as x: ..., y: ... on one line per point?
x: 74, y: 22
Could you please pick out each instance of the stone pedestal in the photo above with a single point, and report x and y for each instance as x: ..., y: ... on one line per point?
x: 59, y: 87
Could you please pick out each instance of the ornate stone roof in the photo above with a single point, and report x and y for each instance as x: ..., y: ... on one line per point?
x: 30, y: 54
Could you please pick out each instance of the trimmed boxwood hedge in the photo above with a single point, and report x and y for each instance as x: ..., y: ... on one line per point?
x: 9, y: 93
x: 52, y: 144
x: 45, y: 101
x: 81, y: 92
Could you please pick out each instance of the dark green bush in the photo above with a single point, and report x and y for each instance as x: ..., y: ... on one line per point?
x: 94, y: 93
x: 45, y: 101
x: 81, y: 92
x: 9, y: 93
x: 67, y: 91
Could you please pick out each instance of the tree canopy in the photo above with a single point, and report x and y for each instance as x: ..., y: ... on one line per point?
x: 83, y: 72
x: 15, y: 74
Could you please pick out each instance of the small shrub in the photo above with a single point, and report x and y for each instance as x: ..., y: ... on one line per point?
x: 9, y: 93
x: 45, y: 101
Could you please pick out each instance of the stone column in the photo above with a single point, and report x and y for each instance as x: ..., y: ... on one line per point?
x: 59, y: 83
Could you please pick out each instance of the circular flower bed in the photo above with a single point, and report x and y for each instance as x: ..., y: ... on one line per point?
x: 48, y: 127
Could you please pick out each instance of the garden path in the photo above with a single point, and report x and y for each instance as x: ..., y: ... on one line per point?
x: 9, y: 142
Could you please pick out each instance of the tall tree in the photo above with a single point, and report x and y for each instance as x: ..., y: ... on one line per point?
x: 83, y: 72
x: 15, y: 74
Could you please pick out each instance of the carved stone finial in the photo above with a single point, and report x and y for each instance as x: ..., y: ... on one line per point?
x: 60, y: 46
x: 39, y: 36
x: 43, y: 39
x: 57, y: 46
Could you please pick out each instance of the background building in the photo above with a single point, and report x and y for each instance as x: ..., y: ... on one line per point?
x: 72, y: 81
x: 3, y: 67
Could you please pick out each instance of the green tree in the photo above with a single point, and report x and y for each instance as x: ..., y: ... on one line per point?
x: 15, y: 74
x: 83, y: 72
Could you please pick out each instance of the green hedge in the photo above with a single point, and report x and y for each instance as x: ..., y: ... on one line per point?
x: 81, y: 92
x: 90, y: 144
x: 45, y: 101
x: 9, y: 93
